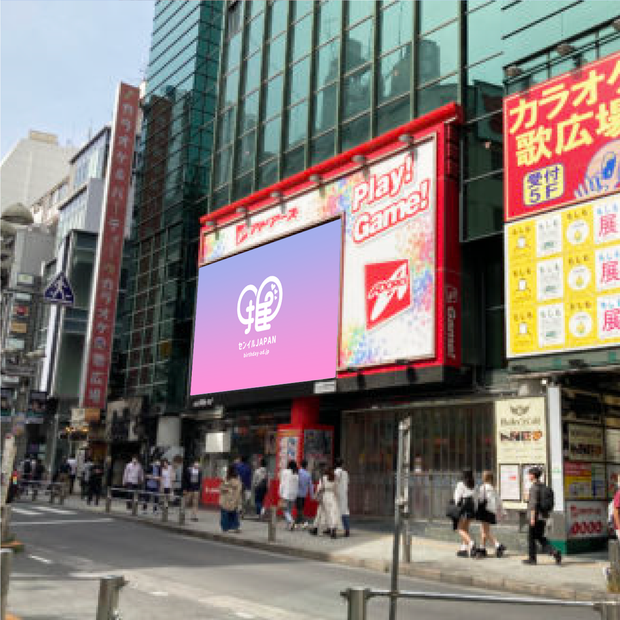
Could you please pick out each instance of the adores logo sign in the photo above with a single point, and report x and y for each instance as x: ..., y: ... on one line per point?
x: 388, y: 291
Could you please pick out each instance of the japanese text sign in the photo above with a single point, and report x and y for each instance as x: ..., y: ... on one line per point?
x: 562, y: 139
x: 563, y: 279
x: 110, y: 249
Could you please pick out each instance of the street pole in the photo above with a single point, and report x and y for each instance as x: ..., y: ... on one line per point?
x: 54, y: 443
x: 6, y: 560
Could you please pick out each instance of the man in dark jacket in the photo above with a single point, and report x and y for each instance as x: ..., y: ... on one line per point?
x: 192, y: 487
x: 244, y: 471
x: 537, y: 523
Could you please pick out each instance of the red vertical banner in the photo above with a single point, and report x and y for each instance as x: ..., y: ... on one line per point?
x: 100, y: 334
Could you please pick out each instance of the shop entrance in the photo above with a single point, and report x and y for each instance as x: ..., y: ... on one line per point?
x: 445, y: 439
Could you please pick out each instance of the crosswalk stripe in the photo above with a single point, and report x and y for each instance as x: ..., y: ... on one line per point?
x: 56, y: 511
x: 23, y: 511
x: 65, y: 522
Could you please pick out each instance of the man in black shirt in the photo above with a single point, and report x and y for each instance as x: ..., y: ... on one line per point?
x: 537, y: 523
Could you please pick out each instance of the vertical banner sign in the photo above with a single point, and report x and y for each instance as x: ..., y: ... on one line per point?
x: 562, y: 139
x: 110, y: 249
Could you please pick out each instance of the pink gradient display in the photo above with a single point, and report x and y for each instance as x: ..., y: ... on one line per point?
x: 296, y: 284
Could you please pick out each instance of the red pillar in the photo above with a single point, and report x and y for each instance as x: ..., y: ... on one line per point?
x: 305, y: 411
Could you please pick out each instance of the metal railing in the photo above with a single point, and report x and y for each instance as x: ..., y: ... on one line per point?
x: 34, y: 488
x: 357, y: 601
x: 164, y: 503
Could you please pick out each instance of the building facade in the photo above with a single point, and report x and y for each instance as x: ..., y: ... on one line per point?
x: 303, y: 83
x: 171, y: 190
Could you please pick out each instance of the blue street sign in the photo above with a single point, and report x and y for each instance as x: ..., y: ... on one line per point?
x: 59, y: 291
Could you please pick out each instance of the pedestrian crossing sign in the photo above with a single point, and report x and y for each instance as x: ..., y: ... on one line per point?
x: 59, y: 291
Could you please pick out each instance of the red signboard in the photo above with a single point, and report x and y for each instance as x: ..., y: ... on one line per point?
x: 562, y: 139
x: 110, y: 249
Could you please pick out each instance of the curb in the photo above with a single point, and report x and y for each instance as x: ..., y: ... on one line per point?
x: 452, y: 577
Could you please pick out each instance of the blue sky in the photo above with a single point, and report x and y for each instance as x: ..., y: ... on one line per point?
x: 61, y: 60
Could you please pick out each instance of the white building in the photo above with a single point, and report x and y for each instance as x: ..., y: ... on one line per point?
x: 35, y: 164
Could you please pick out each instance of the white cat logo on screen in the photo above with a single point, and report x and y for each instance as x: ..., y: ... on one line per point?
x: 260, y: 307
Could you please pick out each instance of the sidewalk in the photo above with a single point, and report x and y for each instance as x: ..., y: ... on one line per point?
x: 579, y: 577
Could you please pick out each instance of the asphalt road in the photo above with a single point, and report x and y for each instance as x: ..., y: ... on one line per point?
x: 178, y: 577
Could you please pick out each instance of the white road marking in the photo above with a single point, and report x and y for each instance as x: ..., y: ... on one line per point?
x: 38, y: 558
x: 65, y: 522
x: 56, y: 511
x: 242, y: 614
x: 159, y: 593
x: 23, y: 511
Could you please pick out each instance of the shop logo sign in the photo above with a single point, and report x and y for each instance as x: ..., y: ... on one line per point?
x: 388, y: 291
x: 258, y: 307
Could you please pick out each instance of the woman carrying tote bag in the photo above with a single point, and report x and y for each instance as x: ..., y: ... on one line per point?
x: 466, y: 499
x: 489, y: 509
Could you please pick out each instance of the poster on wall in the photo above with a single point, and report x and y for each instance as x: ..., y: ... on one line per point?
x: 584, y: 480
x: 318, y: 448
x: 563, y: 279
x: 288, y: 448
x: 509, y: 487
x: 586, y: 519
x: 561, y: 143
x: 612, y: 445
x: 521, y: 440
x: 613, y: 479
x: 585, y: 443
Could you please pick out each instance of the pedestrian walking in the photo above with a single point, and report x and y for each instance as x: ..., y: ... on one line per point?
x: 167, y: 478
x: 342, y: 477
x: 289, y: 486
x: 305, y: 491
x: 26, y: 471
x: 63, y: 475
x: 539, y: 506
x: 133, y: 477
x: 72, y: 462
x: 260, y: 486
x: 230, y: 501
x: 489, y: 509
x: 192, y: 485
x: 244, y: 471
x: 153, y: 482
x: 85, y: 477
x: 465, y: 499
x: 95, y: 482
x: 328, y: 514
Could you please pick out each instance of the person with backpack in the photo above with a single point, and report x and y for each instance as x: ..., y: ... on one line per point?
x: 489, y: 509
x: 466, y: 502
x: 539, y: 506
x: 260, y: 486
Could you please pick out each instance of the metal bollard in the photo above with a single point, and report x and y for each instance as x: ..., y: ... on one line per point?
x: 614, y: 566
x: 109, y: 589
x: 6, y: 560
x: 52, y: 494
x: 182, y: 511
x: 63, y: 492
x: 271, y: 524
x: 108, y: 500
x: 134, y: 504
x: 406, y: 535
x: 164, y: 510
x: 356, y: 602
x: 35, y: 492
x: 6, y: 521
x: 609, y: 610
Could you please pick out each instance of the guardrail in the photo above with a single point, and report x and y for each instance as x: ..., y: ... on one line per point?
x: 56, y: 490
x: 132, y: 498
x: 357, y: 601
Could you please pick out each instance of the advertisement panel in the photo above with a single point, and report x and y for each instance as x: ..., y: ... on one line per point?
x: 389, y: 284
x: 562, y: 139
x: 521, y: 440
x: 102, y: 316
x: 584, y: 480
x: 276, y: 316
x: 563, y: 280
x: 586, y: 519
x: 585, y: 443
x: 612, y: 445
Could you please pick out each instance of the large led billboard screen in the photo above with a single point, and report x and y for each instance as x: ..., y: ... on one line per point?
x: 269, y: 316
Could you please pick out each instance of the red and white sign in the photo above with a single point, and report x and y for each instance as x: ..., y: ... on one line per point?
x: 388, y: 291
x: 586, y: 519
x: 102, y: 317
x: 562, y: 139
x: 400, y: 292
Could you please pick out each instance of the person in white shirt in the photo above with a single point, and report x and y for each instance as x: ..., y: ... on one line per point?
x: 465, y: 498
x: 342, y: 477
x: 167, y: 478
x: 489, y: 509
x: 133, y: 477
x: 289, y: 487
x: 72, y: 462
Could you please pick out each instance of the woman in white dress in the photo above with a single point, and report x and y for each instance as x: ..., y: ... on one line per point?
x: 328, y: 513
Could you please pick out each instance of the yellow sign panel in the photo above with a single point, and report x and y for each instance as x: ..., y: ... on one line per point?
x: 563, y: 279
